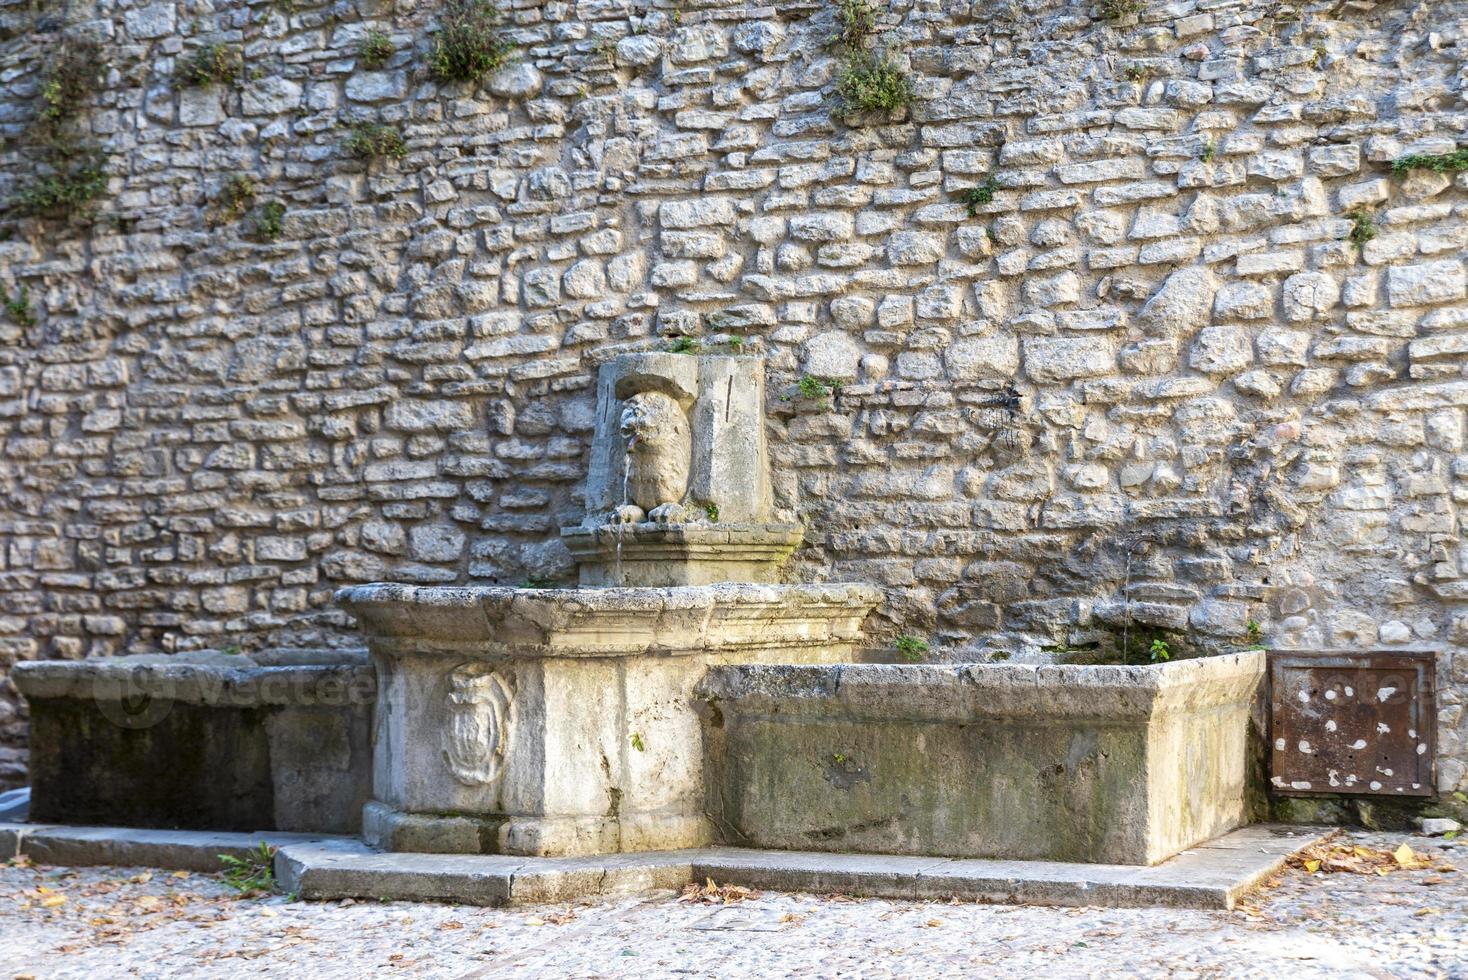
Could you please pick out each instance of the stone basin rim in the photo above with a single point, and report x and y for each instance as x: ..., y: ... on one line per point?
x: 962, y: 691
x: 627, y: 598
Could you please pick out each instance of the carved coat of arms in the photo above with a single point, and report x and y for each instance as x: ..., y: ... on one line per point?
x: 478, y: 729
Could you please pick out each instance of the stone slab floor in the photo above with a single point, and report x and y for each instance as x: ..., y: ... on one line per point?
x: 129, y: 922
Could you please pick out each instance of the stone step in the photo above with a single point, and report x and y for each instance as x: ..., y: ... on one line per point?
x: 1211, y: 876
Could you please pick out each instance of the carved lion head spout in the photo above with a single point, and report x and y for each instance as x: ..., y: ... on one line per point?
x: 659, y: 448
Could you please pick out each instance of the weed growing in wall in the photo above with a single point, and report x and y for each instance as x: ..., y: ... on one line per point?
x: 72, y: 73
x: 270, y: 220
x: 235, y: 197
x: 866, y: 81
x: 64, y: 186
x: 1117, y: 9
x: 18, y: 307
x: 976, y: 197
x: 856, y: 21
x: 210, y: 65
x: 69, y: 170
x: 468, y: 45
x: 873, y: 83
x: 375, y: 49
x: 1363, y: 227
x: 374, y: 141
x: 912, y: 648
x: 1438, y: 163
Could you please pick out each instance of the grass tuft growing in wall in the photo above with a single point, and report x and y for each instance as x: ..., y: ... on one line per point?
x: 469, y: 44
x: 1363, y: 227
x: 64, y: 187
x: 18, y: 307
x: 873, y: 83
x: 375, y: 49
x: 976, y: 197
x: 270, y: 220
x: 376, y: 141
x: 856, y: 21
x: 210, y: 65
x: 69, y: 169
x: 1438, y: 163
x: 1117, y: 9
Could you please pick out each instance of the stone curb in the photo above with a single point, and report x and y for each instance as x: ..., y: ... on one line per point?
x: 1211, y: 876
x: 172, y: 850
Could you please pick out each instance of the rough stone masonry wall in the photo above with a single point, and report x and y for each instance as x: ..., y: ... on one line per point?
x: 1222, y: 409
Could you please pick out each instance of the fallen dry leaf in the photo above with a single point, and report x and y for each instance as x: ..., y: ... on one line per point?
x: 1334, y: 857
x: 712, y: 894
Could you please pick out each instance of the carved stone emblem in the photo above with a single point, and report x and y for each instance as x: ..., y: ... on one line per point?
x: 478, y: 729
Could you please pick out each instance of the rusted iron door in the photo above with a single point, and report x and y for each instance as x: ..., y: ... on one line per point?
x: 1357, y: 724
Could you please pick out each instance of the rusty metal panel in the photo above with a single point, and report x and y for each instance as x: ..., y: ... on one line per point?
x: 1356, y: 724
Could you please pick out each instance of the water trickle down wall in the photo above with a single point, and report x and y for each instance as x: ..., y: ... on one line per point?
x: 1223, y: 401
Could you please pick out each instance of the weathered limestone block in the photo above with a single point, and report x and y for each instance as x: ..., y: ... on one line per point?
x: 1426, y: 284
x: 1220, y: 350
x: 1182, y: 305
x: 1134, y: 763
x: 1066, y: 358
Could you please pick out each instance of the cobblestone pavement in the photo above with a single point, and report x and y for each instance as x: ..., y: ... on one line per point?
x: 116, y: 922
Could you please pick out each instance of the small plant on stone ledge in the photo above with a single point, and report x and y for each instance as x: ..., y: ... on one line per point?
x: 469, y: 44
x: 912, y: 648
x: 234, y: 198
x: 255, y: 872
x: 1363, y: 227
x: 18, y: 307
x: 815, y: 387
x: 374, y: 141
x: 65, y: 188
x: 1438, y: 163
x: 872, y: 83
x: 211, y: 64
x: 1117, y: 9
x: 375, y: 49
x: 1158, y: 651
x: 72, y: 73
x: 685, y: 345
x: 1208, y: 152
x: 976, y: 197
x: 856, y: 21
x: 270, y: 220
x: 1254, y: 636
x: 1138, y: 72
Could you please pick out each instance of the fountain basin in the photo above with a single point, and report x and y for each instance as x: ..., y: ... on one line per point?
x: 562, y: 722
x: 1107, y: 764
x: 276, y: 740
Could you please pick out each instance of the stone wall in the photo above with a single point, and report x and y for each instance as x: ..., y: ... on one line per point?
x: 1152, y: 388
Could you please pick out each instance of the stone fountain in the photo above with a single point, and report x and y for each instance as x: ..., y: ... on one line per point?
x: 564, y: 722
x: 680, y: 696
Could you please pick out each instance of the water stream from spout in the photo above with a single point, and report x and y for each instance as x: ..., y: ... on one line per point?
x: 621, y: 525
